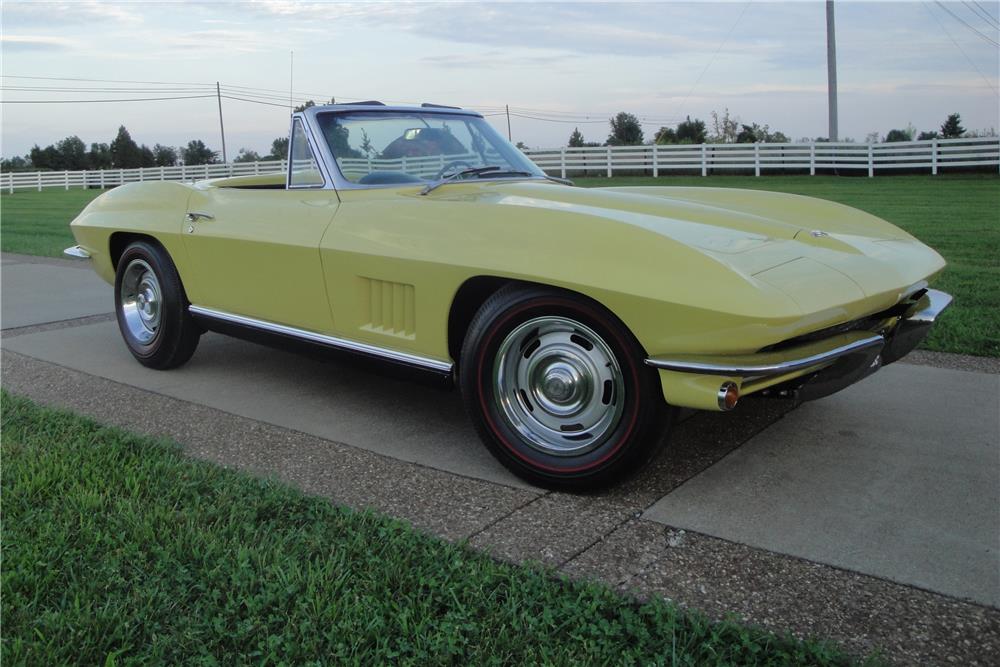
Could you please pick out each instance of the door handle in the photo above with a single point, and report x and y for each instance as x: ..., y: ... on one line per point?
x: 194, y: 216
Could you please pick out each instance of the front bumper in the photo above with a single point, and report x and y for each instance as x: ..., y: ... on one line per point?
x: 76, y: 252
x: 807, y: 371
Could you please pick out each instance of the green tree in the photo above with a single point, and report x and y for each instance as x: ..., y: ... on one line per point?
x: 247, y: 155
x: 72, y: 154
x: 45, y: 158
x: 99, y: 156
x: 279, y: 149
x: 691, y: 131
x: 576, y: 138
x: 626, y: 130
x: 898, y: 135
x: 724, y: 128
x: 146, y: 157
x: 196, y: 152
x: 16, y: 163
x: 927, y: 136
x: 125, y: 153
x: 665, y: 135
x: 952, y: 128
x: 521, y: 146
x: 310, y: 103
x: 164, y: 156
x: 754, y: 133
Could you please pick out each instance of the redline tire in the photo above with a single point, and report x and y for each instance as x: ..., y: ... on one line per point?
x: 152, y: 308
x: 557, y: 389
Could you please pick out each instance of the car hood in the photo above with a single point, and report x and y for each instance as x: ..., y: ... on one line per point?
x: 813, y: 250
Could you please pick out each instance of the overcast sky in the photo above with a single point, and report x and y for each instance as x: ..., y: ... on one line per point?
x: 574, y: 62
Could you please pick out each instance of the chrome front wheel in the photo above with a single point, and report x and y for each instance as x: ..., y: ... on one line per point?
x: 556, y: 387
x: 559, y: 384
x: 141, y: 301
x: 151, y: 307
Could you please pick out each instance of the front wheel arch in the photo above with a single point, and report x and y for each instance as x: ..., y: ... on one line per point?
x: 121, y: 240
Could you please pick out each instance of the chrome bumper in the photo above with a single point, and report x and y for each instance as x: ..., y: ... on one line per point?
x: 895, y: 344
x: 76, y: 252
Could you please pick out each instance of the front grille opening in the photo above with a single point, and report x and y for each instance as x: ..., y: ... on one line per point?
x: 872, y: 323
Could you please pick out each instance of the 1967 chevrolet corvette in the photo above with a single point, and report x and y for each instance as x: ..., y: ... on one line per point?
x: 573, y: 320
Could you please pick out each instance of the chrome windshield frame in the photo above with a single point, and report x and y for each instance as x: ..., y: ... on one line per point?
x: 339, y: 181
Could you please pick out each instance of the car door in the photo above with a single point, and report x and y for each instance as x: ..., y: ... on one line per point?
x: 255, y: 252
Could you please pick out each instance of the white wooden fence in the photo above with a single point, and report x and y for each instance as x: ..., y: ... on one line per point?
x: 933, y: 156
x: 705, y: 159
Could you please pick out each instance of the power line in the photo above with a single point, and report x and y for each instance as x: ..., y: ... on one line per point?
x: 64, y: 78
x: 959, y: 47
x: 714, y: 55
x: 134, y: 99
x: 985, y: 11
x: 966, y: 23
x: 243, y: 99
x: 61, y: 89
x: 978, y: 10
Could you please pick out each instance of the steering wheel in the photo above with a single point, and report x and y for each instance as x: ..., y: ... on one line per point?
x: 452, y: 164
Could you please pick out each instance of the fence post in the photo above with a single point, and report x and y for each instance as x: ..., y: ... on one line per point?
x: 39, y: 174
x: 871, y: 161
x: 756, y: 159
x: 656, y: 162
x: 812, y: 158
x: 562, y: 162
x: 66, y: 179
x: 609, y: 161
x: 102, y: 179
x: 704, y: 161
x: 934, y: 153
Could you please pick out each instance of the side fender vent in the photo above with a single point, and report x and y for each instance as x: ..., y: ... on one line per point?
x: 391, y: 308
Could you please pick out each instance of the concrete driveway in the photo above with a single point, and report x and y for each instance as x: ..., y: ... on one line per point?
x: 894, y: 482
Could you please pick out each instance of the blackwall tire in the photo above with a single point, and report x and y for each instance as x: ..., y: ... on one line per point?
x: 152, y: 308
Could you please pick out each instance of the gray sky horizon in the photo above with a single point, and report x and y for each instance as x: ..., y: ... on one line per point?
x: 558, y: 65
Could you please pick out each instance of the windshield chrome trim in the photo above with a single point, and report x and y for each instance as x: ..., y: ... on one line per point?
x: 348, y: 345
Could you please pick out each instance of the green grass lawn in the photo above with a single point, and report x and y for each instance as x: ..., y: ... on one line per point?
x: 958, y: 215
x: 37, y: 223
x: 116, y: 548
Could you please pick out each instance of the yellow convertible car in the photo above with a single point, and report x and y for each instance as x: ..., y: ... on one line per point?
x: 573, y: 320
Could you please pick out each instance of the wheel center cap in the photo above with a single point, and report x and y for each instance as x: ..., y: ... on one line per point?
x: 560, y: 383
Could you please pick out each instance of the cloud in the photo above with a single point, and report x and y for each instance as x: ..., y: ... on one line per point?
x: 36, y: 43
x: 47, y: 12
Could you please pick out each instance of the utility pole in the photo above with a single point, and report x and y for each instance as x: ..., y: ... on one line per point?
x: 831, y: 70
x: 291, y: 75
x: 222, y: 129
x: 507, y: 106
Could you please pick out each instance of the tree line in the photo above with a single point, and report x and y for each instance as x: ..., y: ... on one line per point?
x: 626, y: 130
x: 72, y: 154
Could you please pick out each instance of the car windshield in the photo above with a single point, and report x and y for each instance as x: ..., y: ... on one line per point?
x: 395, y: 147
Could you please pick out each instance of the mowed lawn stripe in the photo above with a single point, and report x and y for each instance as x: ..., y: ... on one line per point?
x: 118, y: 548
